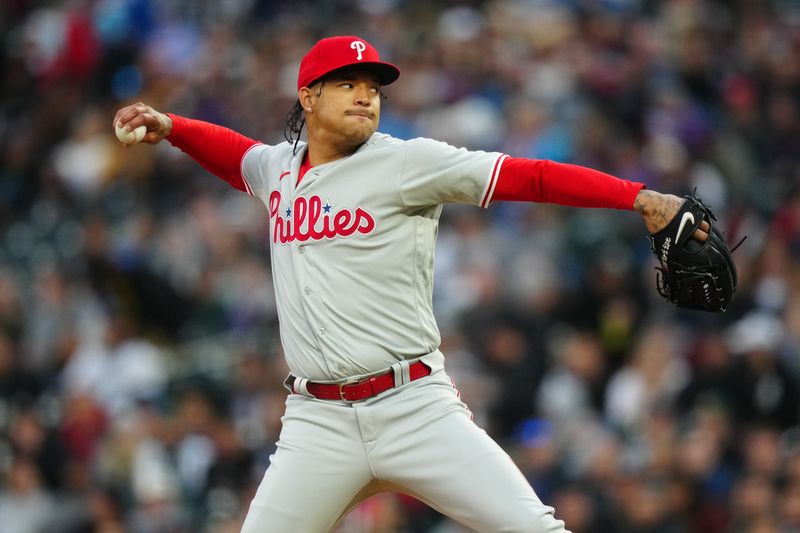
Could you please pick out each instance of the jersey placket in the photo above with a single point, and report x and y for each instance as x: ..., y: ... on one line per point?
x: 310, y: 285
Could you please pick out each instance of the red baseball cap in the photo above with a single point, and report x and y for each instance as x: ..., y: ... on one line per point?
x: 333, y: 53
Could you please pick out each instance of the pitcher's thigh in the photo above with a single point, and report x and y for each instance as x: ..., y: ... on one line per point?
x: 318, y: 468
x: 460, y: 471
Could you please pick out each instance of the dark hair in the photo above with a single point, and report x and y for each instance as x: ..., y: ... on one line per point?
x: 294, y: 124
x: 295, y: 119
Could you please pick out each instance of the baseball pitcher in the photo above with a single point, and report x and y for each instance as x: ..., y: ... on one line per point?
x: 353, y: 217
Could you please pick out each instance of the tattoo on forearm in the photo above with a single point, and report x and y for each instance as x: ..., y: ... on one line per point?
x: 657, y: 209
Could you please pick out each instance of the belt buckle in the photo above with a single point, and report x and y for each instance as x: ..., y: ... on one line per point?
x: 366, y: 381
x: 342, y: 393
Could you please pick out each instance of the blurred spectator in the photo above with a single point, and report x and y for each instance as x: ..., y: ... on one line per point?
x: 25, y: 505
x: 194, y: 449
x: 156, y: 491
x: 32, y: 442
x: 17, y: 385
x: 230, y: 476
x: 83, y: 424
x: 60, y: 314
x: 578, y: 509
x: 704, y: 460
x: 712, y: 382
x: 537, y: 455
x: 645, y: 506
x: 761, y: 455
x: 765, y: 390
x: 790, y: 508
x: 752, y: 502
x: 104, y: 510
x: 571, y: 391
x: 509, y: 354
x: 118, y: 372
x: 651, y: 379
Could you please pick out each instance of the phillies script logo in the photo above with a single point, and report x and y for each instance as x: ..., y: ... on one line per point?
x: 310, y: 219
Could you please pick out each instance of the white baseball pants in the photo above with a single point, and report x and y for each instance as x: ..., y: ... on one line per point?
x: 417, y: 439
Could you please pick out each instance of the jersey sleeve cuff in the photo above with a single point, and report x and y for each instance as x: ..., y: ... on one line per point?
x: 491, y: 182
x: 247, y: 187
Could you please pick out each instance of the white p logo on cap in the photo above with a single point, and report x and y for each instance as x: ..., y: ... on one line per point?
x: 359, y: 47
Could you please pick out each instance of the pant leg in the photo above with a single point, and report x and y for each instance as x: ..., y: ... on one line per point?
x: 429, y: 445
x: 318, y: 468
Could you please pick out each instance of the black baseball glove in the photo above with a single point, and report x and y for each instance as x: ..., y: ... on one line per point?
x: 693, y: 274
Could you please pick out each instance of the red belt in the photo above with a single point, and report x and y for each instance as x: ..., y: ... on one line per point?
x: 361, y: 390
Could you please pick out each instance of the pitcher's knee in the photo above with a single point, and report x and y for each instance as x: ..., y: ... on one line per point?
x: 536, y: 520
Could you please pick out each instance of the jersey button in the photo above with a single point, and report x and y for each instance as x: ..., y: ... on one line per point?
x: 302, y: 248
x: 322, y: 331
x: 307, y: 291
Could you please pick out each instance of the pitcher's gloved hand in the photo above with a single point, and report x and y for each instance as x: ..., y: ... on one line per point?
x: 694, y: 274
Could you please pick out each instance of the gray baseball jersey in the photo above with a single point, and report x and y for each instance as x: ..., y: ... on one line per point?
x: 352, y: 255
x: 352, y: 247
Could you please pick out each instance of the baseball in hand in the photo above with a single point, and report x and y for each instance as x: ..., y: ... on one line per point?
x: 130, y: 137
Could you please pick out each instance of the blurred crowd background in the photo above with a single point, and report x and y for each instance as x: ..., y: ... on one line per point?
x: 140, y: 365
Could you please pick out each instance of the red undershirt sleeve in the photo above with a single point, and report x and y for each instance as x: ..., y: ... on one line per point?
x: 219, y: 150
x: 540, y: 180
